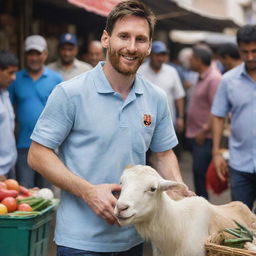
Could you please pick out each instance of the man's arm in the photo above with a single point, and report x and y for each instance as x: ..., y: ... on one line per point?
x: 98, y: 197
x: 179, y: 103
x: 167, y: 166
x: 219, y: 162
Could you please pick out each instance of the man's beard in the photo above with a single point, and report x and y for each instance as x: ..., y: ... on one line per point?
x: 114, y: 58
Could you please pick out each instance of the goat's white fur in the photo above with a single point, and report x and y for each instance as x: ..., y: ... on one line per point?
x: 177, y: 228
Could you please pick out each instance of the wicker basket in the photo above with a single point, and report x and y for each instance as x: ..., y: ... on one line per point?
x: 213, y: 247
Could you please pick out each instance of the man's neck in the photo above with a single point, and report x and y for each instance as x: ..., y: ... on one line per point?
x: 202, y: 69
x: 252, y: 73
x: 119, y: 82
x: 67, y: 66
x: 155, y: 69
x: 35, y: 74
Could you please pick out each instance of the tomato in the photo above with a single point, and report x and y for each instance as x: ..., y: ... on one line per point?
x: 3, y: 185
x: 12, y: 184
x: 10, y: 203
x: 3, y: 209
x: 24, y: 207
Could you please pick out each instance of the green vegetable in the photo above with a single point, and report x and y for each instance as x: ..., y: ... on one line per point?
x: 37, y: 203
x: 21, y: 213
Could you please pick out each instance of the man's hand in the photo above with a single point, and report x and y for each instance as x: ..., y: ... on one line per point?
x: 220, y: 166
x: 102, y: 201
x: 180, y: 125
x: 200, y: 137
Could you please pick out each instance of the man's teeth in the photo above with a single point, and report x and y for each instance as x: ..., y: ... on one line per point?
x: 129, y: 58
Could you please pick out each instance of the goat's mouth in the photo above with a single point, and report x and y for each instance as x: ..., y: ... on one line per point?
x: 121, y: 218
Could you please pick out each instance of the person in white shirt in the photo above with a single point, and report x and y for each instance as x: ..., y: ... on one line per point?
x: 167, y: 78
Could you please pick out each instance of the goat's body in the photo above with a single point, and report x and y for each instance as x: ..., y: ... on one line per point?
x: 175, y: 228
x: 199, y: 220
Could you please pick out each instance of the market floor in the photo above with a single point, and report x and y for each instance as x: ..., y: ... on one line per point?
x: 185, y: 165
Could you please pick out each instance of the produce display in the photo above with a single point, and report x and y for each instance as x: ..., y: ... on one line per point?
x: 16, y: 200
x: 243, y: 237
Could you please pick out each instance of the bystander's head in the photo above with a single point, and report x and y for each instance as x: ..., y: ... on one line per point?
x: 246, y: 40
x: 94, y: 54
x: 201, y: 58
x: 228, y: 55
x: 68, y: 48
x: 8, y: 68
x: 36, y: 53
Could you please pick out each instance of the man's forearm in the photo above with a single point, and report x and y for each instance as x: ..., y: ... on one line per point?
x: 217, y: 129
x: 166, y: 164
x: 47, y: 163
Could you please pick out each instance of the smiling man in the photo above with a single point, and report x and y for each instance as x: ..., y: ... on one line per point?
x: 237, y: 95
x: 29, y: 93
x: 101, y: 122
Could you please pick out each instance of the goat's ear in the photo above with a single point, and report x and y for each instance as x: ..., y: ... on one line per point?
x: 169, y: 184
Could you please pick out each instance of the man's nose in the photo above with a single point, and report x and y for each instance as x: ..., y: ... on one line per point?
x: 132, y: 46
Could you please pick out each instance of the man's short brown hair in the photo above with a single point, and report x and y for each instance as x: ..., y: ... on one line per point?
x: 134, y: 8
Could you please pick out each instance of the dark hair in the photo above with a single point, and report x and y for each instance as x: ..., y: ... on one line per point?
x: 228, y: 49
x: 135, y: 8
x: 246, y: 34
x: 7, y: 59
x: 204, y: 54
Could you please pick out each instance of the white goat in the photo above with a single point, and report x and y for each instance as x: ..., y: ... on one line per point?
x: 175, y: 228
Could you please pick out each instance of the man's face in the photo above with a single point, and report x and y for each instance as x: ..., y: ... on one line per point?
x: 67, y: 53
x: 7, y: 76
x: 157, y: 60
x: 194, y: 62
x: 248, y: 55
x: 128, y: 45
x: 95, y: 54
x: 35, y: 60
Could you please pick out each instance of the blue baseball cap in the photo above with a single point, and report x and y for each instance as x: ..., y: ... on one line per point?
x: 159, y: 47
x: 68, y: 38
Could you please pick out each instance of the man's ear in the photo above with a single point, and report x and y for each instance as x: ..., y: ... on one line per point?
x: 105, y: 39
x: 150, y: 46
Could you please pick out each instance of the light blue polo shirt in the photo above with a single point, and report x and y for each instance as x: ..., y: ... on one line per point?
x: 237, y: 94
x: 98, y: 134
x: 29, y: 98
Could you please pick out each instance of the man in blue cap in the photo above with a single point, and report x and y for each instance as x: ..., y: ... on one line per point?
x: 166, y: 77
x: 68, y: 65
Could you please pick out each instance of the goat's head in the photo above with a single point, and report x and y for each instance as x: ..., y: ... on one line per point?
x: 141, y: 189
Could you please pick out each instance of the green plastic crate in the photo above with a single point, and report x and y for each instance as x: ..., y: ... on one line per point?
x: 26, y: 236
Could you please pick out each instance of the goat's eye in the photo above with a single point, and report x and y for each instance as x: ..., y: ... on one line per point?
x: 152, y: 189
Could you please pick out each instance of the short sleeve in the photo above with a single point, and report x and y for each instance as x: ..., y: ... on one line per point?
x: 164, y: 137
x: 56, y: 120
x: 220, y: 106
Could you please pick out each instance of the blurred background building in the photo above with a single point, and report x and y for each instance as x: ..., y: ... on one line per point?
x: 86, y: 18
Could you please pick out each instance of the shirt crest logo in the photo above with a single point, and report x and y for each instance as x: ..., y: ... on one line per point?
x: 147, y: 120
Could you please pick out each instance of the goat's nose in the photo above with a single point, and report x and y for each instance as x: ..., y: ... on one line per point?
x: 122, y: 206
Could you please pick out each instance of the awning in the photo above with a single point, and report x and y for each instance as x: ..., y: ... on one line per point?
x: 101, y: 7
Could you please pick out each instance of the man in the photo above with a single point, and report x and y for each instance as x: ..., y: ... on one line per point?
x: 94, y: 54
x: 198, y: 129
x: 229, y: 56
x: 29, y: 93
x: 167, y: 78
x: 236, y: 95
x: 8, y: 152
x: 101, y: 122
x: 68, y: 65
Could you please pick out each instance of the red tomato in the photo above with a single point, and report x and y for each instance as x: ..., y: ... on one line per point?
x: 10, y: 203
x: 24, y: 207
x: 12, y: 184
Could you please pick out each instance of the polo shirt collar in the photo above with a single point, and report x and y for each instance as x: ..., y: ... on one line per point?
x: 103, y: 86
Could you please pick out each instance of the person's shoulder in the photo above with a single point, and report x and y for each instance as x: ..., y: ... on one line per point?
x: 144, y: 67
x: 53, y: 73
x: 232, y: 73
x: 149, y: 87
x: 83, y: 64
x: 52, y: 65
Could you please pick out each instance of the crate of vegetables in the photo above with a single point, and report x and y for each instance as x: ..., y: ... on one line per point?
x: 239, y: 241
x: 25, y: 217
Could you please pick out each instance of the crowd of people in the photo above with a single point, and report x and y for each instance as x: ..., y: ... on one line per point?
x: 79, y: 123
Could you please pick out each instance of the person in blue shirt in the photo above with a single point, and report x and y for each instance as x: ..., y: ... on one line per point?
x: 237, y: 96
x: 102, y: 121
x: 8, y: 152
x: 29, y: 93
